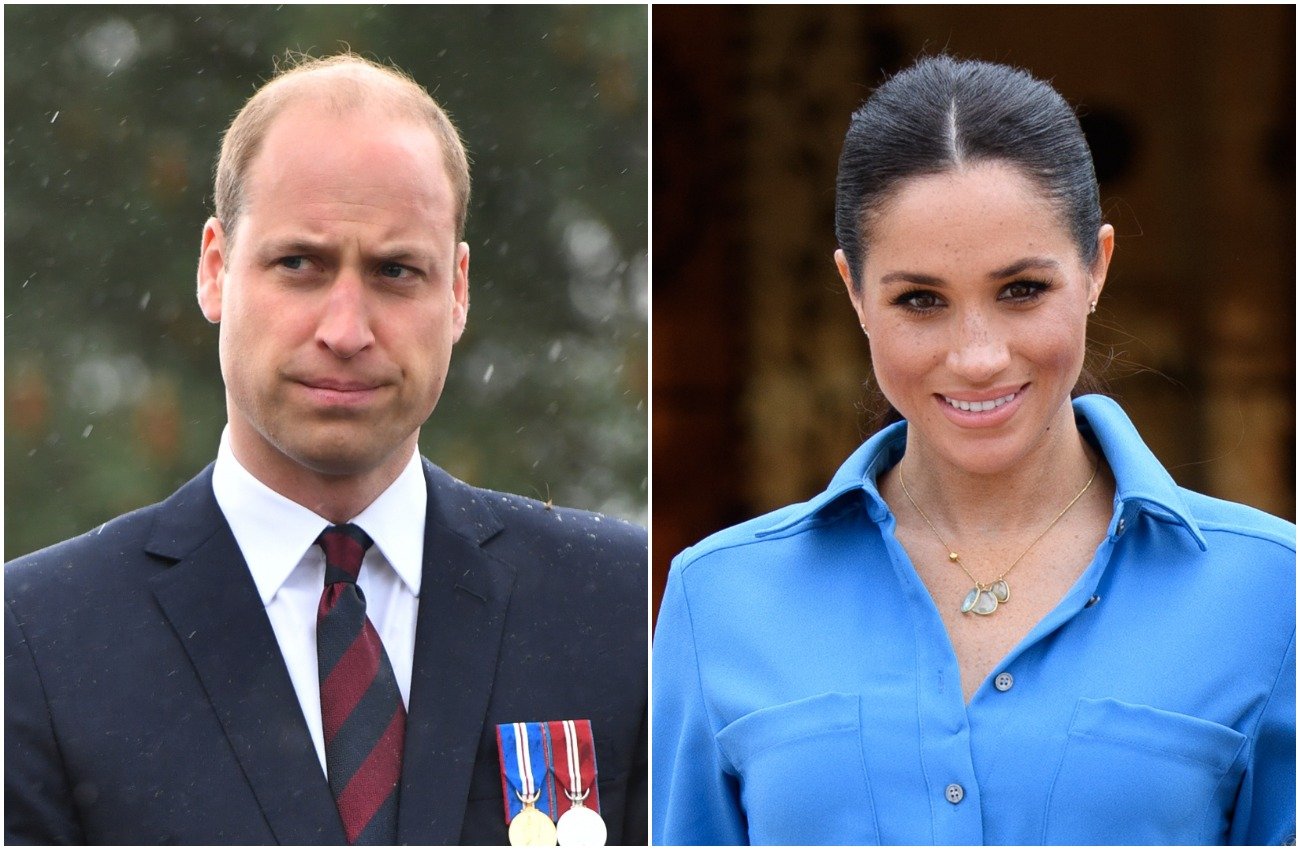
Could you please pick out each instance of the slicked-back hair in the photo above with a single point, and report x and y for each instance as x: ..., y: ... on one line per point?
x: 942, y: 114
x: 345, y: 82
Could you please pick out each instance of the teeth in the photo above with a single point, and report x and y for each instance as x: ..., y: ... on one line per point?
x: 979, y: 406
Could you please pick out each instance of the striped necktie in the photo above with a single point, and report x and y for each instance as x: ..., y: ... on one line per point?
x: 361, y: 706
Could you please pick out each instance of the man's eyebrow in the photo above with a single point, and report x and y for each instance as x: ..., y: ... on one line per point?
x: 403, y: 251
x: 294, y: 245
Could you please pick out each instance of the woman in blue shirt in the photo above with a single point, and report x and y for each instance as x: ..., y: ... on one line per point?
x: 1002, y: 622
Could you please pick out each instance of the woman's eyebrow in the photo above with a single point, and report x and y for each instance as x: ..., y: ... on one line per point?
x: 1025, y: 265
x: 1011, y: 270
x: 911, y: 277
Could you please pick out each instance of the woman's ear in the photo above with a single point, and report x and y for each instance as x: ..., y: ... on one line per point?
x: 1105, y: 248
x: 842, y: 264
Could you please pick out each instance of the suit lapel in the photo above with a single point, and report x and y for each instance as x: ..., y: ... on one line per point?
x: 463, y: 597
x: 212, y: 603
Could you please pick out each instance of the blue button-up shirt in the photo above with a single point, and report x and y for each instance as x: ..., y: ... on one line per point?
x: 806, y: 692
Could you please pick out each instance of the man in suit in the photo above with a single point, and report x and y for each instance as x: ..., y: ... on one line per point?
x: 315, y: 639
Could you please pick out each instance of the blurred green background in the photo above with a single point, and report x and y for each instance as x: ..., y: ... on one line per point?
x: 113, y: 117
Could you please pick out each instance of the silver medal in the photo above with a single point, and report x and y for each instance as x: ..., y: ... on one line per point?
x: 581, y: 827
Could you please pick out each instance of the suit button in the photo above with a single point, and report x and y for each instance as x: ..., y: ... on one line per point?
x: 954, y: 793
x: 1004, y: 681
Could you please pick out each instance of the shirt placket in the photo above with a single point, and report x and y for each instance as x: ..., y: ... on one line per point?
x: 944, y: 721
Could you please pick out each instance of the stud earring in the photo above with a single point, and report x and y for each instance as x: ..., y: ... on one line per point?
x: 1092, y: 308
x: 864, y: 331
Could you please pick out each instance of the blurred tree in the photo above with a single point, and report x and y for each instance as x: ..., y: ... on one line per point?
x: 113, y: 118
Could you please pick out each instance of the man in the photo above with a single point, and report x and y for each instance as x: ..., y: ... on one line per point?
x: 317, y: 638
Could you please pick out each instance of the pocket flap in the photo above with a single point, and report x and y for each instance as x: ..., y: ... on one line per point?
x: 1178, y: 735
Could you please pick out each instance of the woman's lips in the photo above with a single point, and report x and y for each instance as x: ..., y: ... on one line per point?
x: 981, y: 406
x: 983, y: 410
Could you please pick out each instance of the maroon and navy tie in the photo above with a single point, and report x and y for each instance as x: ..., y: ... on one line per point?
x: 361, y: 706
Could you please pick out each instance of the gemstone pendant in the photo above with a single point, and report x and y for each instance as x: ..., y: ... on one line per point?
x: 1001, y: 590
x: 982, y: 602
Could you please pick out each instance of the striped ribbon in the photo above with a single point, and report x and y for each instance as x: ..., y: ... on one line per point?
x: 524, y: 750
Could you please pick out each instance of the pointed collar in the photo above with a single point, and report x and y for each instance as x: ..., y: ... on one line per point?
x: 1140, y: 478
x: 274, y: 532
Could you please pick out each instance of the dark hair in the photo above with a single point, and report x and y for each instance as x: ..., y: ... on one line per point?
x: 943, y: 113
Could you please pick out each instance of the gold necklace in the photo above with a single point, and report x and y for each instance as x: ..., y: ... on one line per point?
x: 983, y: 599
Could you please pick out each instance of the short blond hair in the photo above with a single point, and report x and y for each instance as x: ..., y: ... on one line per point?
x: 347, y: 81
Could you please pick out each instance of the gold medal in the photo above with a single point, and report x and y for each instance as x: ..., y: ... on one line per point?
x: 531, y: 827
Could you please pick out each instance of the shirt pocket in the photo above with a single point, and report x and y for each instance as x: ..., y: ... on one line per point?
x: 1132, y: 774
x: 803, y: 777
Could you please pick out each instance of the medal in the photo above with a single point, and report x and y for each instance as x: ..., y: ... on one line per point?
x: 533, y: 773
x: 531, y: 828
x: 524, y: 752
x: 580, y: 825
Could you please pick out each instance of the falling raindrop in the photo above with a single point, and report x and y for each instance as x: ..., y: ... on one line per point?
x: 111, y: 45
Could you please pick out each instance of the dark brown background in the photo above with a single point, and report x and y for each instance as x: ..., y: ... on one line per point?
x: 758, y: 359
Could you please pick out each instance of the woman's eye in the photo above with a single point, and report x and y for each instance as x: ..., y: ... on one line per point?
x: 921, y: 302
x: 1024, y: 290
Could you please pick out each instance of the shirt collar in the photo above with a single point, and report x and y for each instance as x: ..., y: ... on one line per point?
x: 1140, y: 479
x: 274, y: 532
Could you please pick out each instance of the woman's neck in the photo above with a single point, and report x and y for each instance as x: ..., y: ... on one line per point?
x: 964, y: 504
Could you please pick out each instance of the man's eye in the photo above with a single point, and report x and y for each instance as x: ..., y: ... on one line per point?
x: 294, y: 263
x: 395, y: 271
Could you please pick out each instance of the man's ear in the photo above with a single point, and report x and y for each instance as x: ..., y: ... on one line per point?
x: 212, y: 270
x: 460, y: 291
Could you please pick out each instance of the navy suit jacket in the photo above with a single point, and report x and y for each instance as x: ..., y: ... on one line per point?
x: 146, y: 700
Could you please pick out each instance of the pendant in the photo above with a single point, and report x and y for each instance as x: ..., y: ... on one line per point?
x: 984, y: 601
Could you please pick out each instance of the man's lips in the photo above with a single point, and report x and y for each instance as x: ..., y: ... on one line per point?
x: 339, y: 392
x: 339, y: 385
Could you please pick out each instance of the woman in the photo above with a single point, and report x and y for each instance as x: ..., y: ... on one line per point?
x: 1002, y: 622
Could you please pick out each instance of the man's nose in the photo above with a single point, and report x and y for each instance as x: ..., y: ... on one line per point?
x: 345, y: 323
x: 979, y: 349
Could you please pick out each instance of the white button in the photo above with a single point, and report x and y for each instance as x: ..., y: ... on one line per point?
x: 1120, y: 526
x: 1004, y: 681
x: 954, y: 793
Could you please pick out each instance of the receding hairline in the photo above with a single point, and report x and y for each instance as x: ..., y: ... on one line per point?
x: 346, y: 83
x: 321, y: 79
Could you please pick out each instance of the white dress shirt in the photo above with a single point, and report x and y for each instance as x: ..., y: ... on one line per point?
x: 277, y: 537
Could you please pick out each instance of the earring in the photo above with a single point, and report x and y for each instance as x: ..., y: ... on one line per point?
x: 1092, y: 308
x: 864, y: 331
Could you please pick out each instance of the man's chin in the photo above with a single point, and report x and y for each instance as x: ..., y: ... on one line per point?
x: 344, y: 455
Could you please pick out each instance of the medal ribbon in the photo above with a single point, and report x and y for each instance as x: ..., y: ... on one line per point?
x: 575, y: 771
x: 524, y: 750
